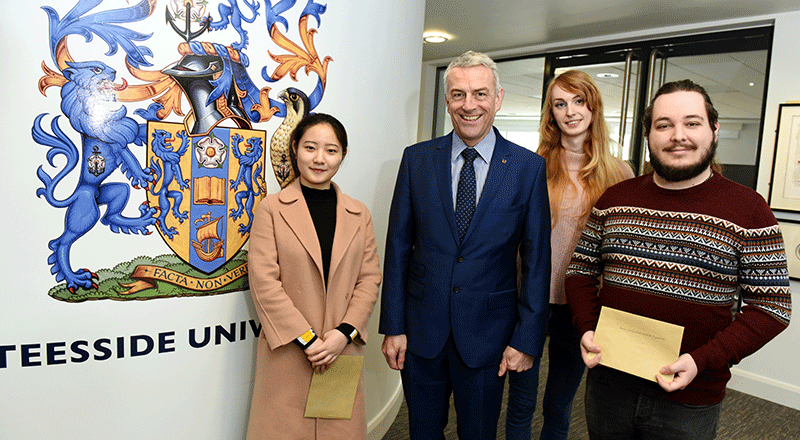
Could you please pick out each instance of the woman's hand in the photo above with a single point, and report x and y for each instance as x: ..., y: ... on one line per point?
x: 324, y: 351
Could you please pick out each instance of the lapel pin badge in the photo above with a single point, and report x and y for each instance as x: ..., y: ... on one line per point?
x: 504, y: 161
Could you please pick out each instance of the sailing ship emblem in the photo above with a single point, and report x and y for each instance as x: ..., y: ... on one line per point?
x: 206, y: 188
x: 208, y: 246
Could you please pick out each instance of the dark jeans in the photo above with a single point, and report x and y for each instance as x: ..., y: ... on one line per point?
x: 563, y: 378
x: 616, y: 413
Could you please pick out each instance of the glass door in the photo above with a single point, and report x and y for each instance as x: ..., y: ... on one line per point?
x: 735, y: 83
x: 731, y: 66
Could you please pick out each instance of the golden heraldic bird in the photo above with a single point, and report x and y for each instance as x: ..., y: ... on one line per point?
x: 297, y: 107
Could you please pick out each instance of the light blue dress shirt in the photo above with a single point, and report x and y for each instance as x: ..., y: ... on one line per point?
x: 485, y: 148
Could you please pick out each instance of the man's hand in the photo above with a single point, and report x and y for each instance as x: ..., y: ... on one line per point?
x: 514, y: 360
x: 394, y: 350
x: 588, y: 346
x: 685, y: 371
x: 324, y: 351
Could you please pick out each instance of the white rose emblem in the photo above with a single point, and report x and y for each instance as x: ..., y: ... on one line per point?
x: 210, y: 152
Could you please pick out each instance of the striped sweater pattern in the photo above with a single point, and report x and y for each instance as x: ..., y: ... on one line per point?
x: 682, y: 257
x: 696, y: 258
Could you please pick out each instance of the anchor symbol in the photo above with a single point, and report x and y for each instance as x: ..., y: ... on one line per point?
x: 187, y: 33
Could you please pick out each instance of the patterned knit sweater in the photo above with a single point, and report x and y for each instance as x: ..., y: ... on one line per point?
x: 679, y: 256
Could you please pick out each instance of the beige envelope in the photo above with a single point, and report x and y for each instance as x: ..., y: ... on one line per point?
x: 636, y: 344
x: 333, y: 392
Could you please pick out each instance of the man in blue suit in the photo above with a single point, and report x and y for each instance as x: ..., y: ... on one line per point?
x: 465, y: 205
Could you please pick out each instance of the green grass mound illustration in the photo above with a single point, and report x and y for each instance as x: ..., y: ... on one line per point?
x: 111, y: 282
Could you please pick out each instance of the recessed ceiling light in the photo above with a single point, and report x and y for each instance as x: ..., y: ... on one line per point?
x: 435, y: 37
x: 607, y: 75
x: 752, y: 84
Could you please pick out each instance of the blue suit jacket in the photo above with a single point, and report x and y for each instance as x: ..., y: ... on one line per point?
x: 434, y: 285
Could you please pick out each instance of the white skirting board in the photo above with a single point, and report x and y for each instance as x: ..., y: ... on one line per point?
x: 765, y: 388
x: 380, y: 424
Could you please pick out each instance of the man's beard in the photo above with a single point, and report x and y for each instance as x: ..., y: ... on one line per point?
x: 679, y: 174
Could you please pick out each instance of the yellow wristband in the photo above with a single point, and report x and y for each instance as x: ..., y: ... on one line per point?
x: 306, y: 337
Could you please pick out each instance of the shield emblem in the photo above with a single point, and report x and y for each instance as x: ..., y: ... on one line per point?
x: 206, y: 189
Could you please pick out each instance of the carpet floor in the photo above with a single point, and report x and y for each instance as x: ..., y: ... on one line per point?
x: 743, y: 417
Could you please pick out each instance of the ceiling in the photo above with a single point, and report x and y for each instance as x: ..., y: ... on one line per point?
x: 486, y: 26
x: 489, y: 26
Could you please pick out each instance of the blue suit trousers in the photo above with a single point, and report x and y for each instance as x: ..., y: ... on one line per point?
x: 428, y: 383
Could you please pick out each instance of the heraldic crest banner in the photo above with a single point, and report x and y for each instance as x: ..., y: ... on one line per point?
x: 193, y: 154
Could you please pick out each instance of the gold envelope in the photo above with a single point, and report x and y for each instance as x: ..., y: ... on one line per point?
x: 333, y: 392
x: 636, y: 344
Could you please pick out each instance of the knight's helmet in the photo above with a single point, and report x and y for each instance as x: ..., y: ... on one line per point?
x: 194, y: 74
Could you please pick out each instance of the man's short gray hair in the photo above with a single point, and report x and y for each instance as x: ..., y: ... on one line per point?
x: 471, y: 58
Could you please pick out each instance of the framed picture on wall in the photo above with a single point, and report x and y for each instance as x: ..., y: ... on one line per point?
x: 784, y: 193
x: 791, y: 239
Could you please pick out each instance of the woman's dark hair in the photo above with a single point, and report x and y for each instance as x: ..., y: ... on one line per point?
x: 308, y: 122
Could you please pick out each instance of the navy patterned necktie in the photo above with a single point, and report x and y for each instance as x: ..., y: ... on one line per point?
x: 465, y: 196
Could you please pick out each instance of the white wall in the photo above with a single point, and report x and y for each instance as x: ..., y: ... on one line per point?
x: 773, y: 373
x: 185, y: 393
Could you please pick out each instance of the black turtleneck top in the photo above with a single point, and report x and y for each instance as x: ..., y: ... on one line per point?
x: 322, y: 207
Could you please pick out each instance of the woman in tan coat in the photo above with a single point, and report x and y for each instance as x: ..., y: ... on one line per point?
x: 314, y: 277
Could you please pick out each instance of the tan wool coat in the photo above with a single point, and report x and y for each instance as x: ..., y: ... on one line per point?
x: 286, y: 282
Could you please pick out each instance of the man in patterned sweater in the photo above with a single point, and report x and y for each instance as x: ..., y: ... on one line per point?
x: 674, y: 245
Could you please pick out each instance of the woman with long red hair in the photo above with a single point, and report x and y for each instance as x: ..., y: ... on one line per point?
x: 580, y: 167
